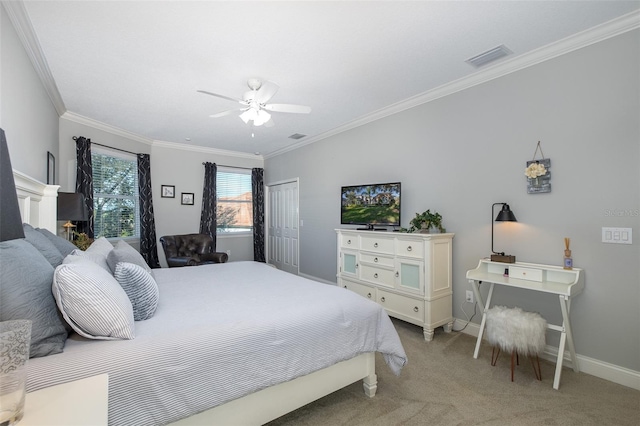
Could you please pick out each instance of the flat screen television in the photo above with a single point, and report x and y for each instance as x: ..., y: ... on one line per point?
x: 370, y: 205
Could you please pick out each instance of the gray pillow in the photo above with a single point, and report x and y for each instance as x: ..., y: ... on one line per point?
x: 93, y: 302
x: 97, y: 252
x: 42, y: 243
x: 123, y: 252
x: 140, y: 287
x: 65, y: 247
x: 25, y: 293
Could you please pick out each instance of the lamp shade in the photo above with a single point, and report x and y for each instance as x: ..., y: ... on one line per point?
x: 506, y: 215
x: 71, y: 206
x: 10, y: 219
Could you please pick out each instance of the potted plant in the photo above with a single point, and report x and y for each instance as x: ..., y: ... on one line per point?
x: 427, y: 222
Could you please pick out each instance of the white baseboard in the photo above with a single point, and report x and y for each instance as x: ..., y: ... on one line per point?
x: 604, y: 370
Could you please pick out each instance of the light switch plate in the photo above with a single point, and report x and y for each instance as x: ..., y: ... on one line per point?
x: 617, y: 235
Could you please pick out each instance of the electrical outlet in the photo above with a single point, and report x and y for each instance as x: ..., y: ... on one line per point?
x: 469, y: 296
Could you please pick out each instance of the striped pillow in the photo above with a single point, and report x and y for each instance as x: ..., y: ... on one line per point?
x: 140, y: 287
x: 92, y: 302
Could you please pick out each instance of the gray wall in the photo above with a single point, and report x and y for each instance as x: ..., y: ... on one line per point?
x: 459, y: 154
x: 27, y: 115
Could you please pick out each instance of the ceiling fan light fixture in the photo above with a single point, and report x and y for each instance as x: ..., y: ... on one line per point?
x: 248, y: 115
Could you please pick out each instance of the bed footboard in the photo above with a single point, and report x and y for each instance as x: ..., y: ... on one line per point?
x: 268, y: 404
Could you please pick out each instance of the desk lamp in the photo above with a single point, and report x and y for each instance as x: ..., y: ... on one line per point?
x: 71, y: 206
x: 505, y: 215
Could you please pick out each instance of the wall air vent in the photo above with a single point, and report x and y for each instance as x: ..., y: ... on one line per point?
x: 489, y: 56
x: 297, y: 136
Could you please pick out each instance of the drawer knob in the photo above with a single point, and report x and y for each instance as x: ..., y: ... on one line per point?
x: 345, y: 286
x: 369, y: 295
x: 382, y: 299
x: 375, y: 275
x: 356, y: 265
x: 409, y: 248
x: 348, y: 241
x: 415, y: 309
x: 375, y: 245
x: 375, y: 260
x: 397, y: 274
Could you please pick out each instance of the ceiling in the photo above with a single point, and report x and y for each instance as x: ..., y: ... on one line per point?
x: 137, y: 65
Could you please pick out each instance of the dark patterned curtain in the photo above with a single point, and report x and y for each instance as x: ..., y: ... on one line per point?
x: 208, y: 222
x: 84, y: 182
x: 148, y: 245
x: 257, y: 190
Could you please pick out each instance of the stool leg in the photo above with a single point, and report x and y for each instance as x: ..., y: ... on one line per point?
x: 494, y: 359
x: 538, y: 371
x: 513, y: 354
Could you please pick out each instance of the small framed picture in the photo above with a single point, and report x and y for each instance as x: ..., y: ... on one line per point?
x: 168, y: 191
x: 187, y: 198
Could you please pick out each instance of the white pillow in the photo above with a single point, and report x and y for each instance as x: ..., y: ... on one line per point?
x: 140, y: 287
x: 97, y: 252
x: 92, y: 302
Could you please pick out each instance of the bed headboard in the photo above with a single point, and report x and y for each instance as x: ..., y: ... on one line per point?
x: 37, y: 201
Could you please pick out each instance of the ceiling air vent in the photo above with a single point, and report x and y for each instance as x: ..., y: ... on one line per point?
x: 297, y: 136
x: 489, y: 56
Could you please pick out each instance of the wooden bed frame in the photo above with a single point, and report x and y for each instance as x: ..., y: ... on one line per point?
x: 38, y: 207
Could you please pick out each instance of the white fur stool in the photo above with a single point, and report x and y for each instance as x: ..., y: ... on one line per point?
x: 518, y: 332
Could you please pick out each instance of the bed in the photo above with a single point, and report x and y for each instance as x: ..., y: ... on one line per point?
x: 234, y: 343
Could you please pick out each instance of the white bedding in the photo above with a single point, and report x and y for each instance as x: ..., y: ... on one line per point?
x: 220, y: 332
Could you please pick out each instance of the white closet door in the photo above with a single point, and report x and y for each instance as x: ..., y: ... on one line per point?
x: 283, y: 226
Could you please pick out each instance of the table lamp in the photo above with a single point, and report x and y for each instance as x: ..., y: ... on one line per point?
x: 505, y: 215
x: 71, y: 206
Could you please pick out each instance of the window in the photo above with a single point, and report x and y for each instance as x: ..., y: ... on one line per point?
x: 115, y: 194
x: 234, y: 211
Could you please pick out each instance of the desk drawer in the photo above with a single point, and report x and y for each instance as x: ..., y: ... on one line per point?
x: 528, y: 274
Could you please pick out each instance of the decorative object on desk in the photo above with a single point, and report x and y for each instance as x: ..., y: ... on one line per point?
x: 427, y: 223
x: 187, y: 198
x: 14, y: 352
x: 568, y: 261
x: 10, y: 219
x: 167, y: 191
x: 51, y: 169
x: 71, y: 206
x: 505, y: 215
x: 82, y: 240
x: 538, y: 174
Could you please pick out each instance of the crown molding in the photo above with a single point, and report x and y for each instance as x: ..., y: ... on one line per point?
x: 18, y: 16
x: 90, y: 122
x: 615, y: 27
x: 206, y: 150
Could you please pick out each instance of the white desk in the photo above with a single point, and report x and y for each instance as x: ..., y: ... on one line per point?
x: 531, y: 276
x: 80, y: 403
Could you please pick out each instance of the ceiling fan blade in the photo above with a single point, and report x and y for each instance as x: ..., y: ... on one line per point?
x: 300, y: 109
x: 220, y: 96
x: 223, y: 113
x: 266, y: 92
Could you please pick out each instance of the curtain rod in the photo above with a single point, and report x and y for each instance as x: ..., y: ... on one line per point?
x: 107, y: 146
x: 233, y: 167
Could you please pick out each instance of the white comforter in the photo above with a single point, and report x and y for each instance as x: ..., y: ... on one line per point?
x: 221, y: 332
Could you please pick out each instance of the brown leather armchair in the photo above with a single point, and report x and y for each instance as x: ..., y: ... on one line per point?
x: 191, y: 250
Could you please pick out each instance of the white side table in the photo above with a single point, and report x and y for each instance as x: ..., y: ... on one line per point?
x: 80, y: 403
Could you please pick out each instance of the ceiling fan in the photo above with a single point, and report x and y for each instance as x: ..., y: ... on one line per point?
x: 254, y: 106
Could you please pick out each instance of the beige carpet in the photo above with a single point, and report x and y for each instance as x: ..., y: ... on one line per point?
x: 443, y: 385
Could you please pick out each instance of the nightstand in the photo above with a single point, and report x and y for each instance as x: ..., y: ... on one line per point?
x: 80, y: 403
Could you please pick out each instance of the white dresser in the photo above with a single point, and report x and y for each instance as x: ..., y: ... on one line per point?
x: 408, y: 274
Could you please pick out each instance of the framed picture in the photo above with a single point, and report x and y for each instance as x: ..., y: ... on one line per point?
x: 51, y: 169
x: 187, y: 198
x: 168, y: 191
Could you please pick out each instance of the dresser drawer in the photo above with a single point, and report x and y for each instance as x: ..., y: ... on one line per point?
x: 349, y: 241
x: 377, y: 260
x: 362, y: 290
x: 384, y: 277
x: 401, y: 306
x: 377, y: 244
x: 410, y: 249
